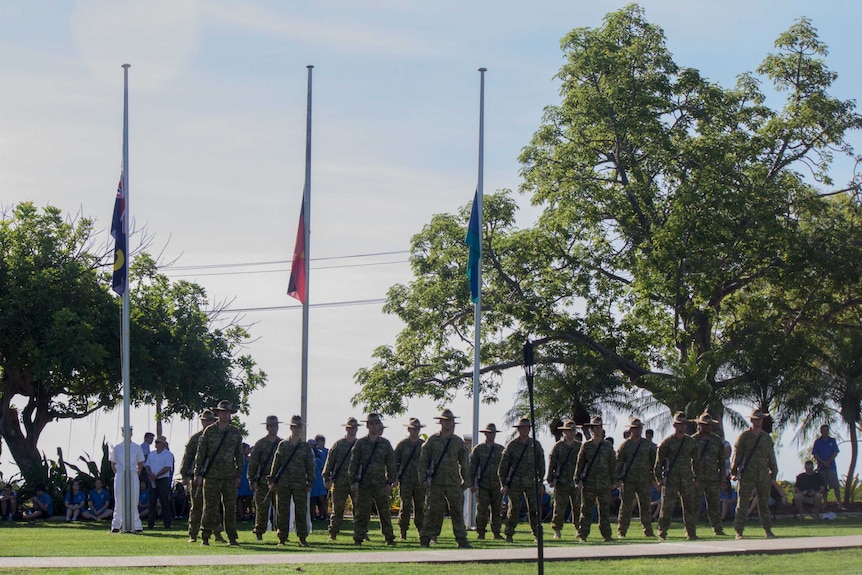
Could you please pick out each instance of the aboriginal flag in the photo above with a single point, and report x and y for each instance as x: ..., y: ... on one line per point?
x: 298, y: 284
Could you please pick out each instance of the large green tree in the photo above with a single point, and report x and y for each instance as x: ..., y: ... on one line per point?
x: 672, y: 209
x: 60, y: 334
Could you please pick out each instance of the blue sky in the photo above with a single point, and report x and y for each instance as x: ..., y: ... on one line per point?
x: 218, y: 133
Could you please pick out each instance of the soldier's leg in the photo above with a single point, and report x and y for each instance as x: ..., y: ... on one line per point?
x: 418, y: 495
x: 495, y: 498
x: 763, y: 486
x: 384, y: 512
x: 229, y: 494
x: 262, y: 501
x: 405, y: 494
x: 713, y: 506
x: 300, y: 507
x: 576, y: 508
x: 689, y: 493
x: 588, y: 505
x: 483, y: 504
x: 196, y: 508
x: 210, y: 517
x: 529, y: 493
x: 561, y: 502
x: 362, y: 503
x: 669, y: 494
x: 282, y: 511
x: 624, y: 517
x: 744, y: 489
x: 644, y: 495
x: 513, y: 517
x: 434, y: 510
x: 339, y: 503
x: 455, y: 498
x: 603, y: 496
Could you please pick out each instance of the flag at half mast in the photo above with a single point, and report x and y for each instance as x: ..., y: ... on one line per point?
x: 118, y: 232
x: 474, y: 240
x: 297, y: 285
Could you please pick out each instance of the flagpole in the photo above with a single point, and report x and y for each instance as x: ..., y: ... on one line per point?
x: 306, y: 209
x: 128, y: 526
x: 477, y: 310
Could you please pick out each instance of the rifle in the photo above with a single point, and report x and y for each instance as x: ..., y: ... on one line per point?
x: 665, y: 468
x: 266, y: 464
x: 742, y: 465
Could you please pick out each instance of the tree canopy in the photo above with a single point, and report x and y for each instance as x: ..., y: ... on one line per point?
x: 60, y: 335
x: 691, y: 240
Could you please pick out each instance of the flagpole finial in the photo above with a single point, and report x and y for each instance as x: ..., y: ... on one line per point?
x: 310, y: 66
x: 127, y: 65
x: 483, y: 69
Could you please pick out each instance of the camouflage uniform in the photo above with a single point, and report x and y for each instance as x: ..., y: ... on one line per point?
x: 755, y: 468
x: 484, y: 469
x: 411, y: 490
x: 674, y: 463
x: 708, y: 471
x: 635, y: 464
x: 259, y: 464
x: 372, y: 467
x: 196, y: 492
x: 220, y: 468
x: 596, y: 485
x: 520, y: 474
x: 335, y: 472
x: 561, y: 473
x: 444, y: 463
x: 292, y: 472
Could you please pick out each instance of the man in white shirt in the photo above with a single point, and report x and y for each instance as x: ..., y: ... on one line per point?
x: 136, y: 459
x: 160, y: 470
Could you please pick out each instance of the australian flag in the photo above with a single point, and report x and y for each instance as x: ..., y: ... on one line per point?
x: 118, y: 232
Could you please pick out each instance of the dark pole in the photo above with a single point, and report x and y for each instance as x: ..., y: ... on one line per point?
x: 529, y: 364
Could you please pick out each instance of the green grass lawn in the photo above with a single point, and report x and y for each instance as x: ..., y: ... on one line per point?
x: 53, y: 539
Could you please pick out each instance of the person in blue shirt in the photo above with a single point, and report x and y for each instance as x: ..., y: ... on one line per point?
x: 75, y: 502
x: 43, y: 505
x: 825, y: 450
x: 98, y: 503
x: 8, y: 502
x: 144, y: 501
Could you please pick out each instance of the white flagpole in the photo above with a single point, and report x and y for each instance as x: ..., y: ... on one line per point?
x: 477, y: 311
x: 306, y: 210
x: 128, y: 504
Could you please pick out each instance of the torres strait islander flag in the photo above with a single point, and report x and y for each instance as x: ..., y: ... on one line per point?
x: 474, y: 240
x: 298, y: 282
x: 118, y: 232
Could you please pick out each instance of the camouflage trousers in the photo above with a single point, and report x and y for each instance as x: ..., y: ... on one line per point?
x: 339, y: 504
x: 670, y: 492
x: 708, y: 490
x: 753, y: 480
x: 643, y: 491
x: 566, y: 496
x: 218, y: 492
x: 364, y: 499
x: 262, y: 503
x: 513, y: 517
x: 412, y: 496
x: 283, y: 495
x: 489, y: 502
x: 593, y: 496
x: 438, y: 500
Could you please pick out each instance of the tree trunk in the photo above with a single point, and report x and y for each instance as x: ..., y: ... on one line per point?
x: 22, y: 448
x: 851, y: 471
x: 159, y: 417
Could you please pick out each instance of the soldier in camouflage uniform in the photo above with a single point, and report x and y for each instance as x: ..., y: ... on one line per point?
x: 187, y: 469
x: 520, y: 472
x: 291, y: 477
x: 595, y: 476
x: 336, y: 478
x: 410, y: 489
x: 444, y: 469
x: 259, y: 464
x: 372, y: 476
x: 218, y: 465
x: 674, y: 466
x: 484, y: 469
x: 754, y: 466
x: 635, y: 464
x: 561, y: 477
x: 709, y: 469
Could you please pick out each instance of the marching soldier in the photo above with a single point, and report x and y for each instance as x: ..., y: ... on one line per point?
x: 445, y: 472
x: 187, y: 469
x: 754, y: 466
x: 259, y: 464
x: 218, y: 465
x: 594, y: 475
x: 411, y: 491
x: 635, y: 464
x: 520, y: 472
x: 372, y: 476
x: 709, y: 469
x: 336, y: 478
x: 561, y: 474
x: 484, y: 469
x: 674, y: 467
x: 291, y: 476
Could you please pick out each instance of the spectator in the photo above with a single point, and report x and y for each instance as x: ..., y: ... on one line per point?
x: 98, y: 503
x: 317, y: 506
x: 727, y: 496
x: 144, y: 501
x: 649, y: 434
x: 810, y: 489
x: 825, y: 450
x: 244, y: 494
x: 8, y: 502
x: 179, y: 500
x: 43, y: 505
x: 75, y: 502
x: 160, y: 470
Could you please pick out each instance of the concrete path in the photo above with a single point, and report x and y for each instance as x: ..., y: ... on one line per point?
x: 296, y: 556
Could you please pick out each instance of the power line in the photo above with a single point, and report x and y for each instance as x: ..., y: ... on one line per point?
x: 348, y: 303
x: 285, y: 270
x: 277, y: 262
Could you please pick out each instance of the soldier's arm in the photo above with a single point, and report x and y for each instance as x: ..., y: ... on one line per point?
x: 464, y: 464
x: 309, y: 467
x: 391, y: 468
x: 474, y: 461
x: 237, y: 456
x: 424, y: 456
x: 736, y: 458
x: 253, y: 463
x: 276, y: 462
x: 329, y: 466
x: 540, y: 467
x: 773, y: 462
x: 659, y: 460
x: 201, y: 453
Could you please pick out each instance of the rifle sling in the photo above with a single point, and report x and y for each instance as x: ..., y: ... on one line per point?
x: 753, y: 449
x: 211, y: 458
x: 284, y: 465
x: 589, y: 468
x: 632, y: 460
x: 512, y: 470
x: 343, y: 461
x: 267, y: 463
x: 440, y: 459
x: 485, y: 465
x: 364, y: 468
x: 407, y: 463
x: 675, y: 455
